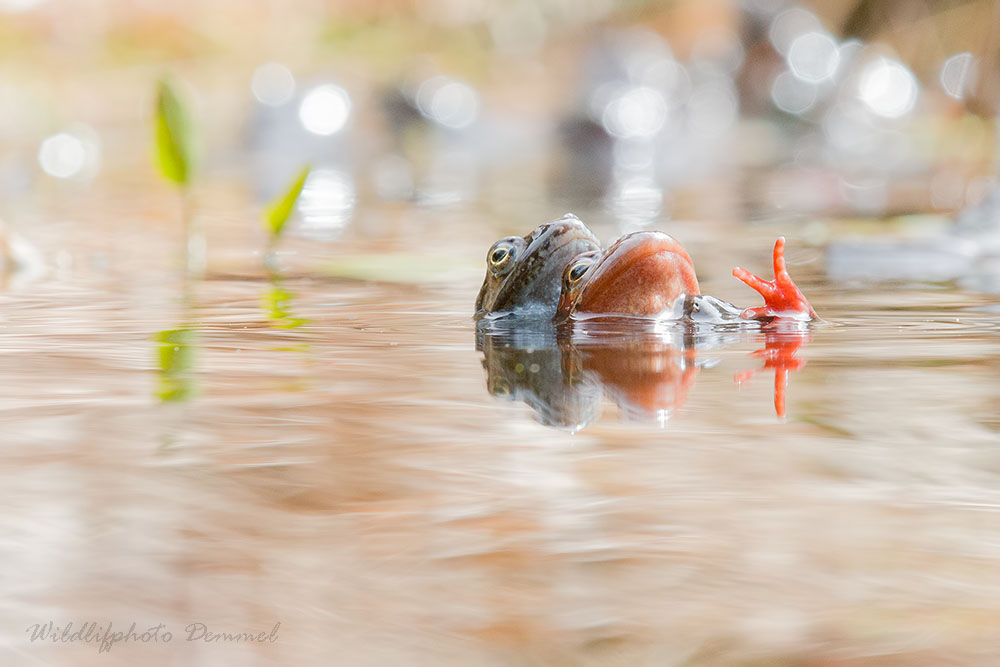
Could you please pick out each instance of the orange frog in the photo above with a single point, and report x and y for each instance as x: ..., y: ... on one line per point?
x: 651, y: 275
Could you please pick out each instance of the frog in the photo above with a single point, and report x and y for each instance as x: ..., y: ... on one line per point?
x: 649, y: 274
x: 523, y: 274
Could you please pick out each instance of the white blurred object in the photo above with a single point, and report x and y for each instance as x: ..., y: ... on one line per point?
x: 451, y: 103
x: 793, y: 95
x: 847, y: 52
x: 888, y: 88
x: 813, y: 57
x: 71, y: 154
x: 325, y: 109
x: 790, y: 24
x: 272, y: 84
x: 326, y: 203
x: 638, y: 111
x: 958, y: 75
x: 61, y: 155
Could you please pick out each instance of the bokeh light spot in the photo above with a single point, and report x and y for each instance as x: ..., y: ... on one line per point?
x: 888, y: 88
x: 325, y: 109
x: 788, y: 25
x: 272, y: 84
x: 637, y: 112
x: 813, y: 57
x: 448, y: 102
x: 791, y: 94
x: 71, y: 154
x: 958, y: 75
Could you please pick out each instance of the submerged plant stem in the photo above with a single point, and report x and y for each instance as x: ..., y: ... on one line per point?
x: 194, y: 238
x: 271, y: 256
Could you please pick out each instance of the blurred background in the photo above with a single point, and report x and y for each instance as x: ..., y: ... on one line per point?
x: 629, y: 113
x: 317, y: 441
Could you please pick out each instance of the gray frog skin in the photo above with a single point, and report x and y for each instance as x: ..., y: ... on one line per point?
x: 524, y: 274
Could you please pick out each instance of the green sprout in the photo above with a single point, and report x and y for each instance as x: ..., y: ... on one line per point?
x: 280, y: 209
x: 175, y: 159
x: 174, y: 137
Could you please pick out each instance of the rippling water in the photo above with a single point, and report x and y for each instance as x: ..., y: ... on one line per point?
x: 344, y: 457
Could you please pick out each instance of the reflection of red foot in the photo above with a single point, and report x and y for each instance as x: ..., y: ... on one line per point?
x: 782, y: 297
x: 778, y: 354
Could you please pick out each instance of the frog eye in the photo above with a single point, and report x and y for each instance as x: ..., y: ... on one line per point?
x: 501, y: 255
x: 576, y: 270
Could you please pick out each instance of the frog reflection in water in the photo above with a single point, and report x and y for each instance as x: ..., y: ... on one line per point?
x: 523, y: 274
x: 564, y: 377
x: 530, y: 366
x: 646, y: 276
x: 564, y: 381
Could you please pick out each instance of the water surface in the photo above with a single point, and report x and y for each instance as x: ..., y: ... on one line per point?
x: 332, y: 454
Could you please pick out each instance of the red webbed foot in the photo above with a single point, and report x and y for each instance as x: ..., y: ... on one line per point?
x: 782, y: 297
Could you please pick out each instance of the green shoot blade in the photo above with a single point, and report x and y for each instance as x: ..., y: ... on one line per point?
x: 174, y: 140
x: 278, y: 212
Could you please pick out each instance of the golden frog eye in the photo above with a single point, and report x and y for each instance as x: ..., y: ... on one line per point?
x: 576, y: 271
x: 500, y: 255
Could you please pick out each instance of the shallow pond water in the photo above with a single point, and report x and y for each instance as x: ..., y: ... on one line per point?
x: 343, y: 457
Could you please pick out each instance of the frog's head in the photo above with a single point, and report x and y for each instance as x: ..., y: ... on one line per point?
x: 524, y: 273
x: 639, y: 275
